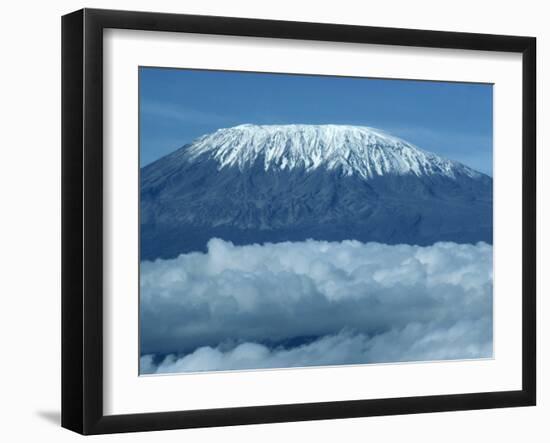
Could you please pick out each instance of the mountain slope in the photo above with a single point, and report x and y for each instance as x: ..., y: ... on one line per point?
x: 254, y: 184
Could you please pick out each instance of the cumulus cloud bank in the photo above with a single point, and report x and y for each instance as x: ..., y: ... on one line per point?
x: 315, y: 303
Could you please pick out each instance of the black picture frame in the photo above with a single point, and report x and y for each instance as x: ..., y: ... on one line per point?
x: 82, y: 218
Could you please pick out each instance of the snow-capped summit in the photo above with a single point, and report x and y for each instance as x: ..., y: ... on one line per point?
x: 257, y: 184
x: 360, y: 150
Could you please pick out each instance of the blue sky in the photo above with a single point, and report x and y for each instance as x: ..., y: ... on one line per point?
x: 454, y: 120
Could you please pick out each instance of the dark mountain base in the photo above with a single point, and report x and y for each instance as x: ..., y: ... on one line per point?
x: 183, y: 208
x: 400, y: 225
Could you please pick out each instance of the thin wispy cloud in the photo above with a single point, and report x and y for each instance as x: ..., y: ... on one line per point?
x: 183, y: 114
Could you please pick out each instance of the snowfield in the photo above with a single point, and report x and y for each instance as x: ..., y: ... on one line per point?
x: 360, y: 150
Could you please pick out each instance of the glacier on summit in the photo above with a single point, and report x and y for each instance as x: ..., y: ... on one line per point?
x: 274, y: 183
x: 360, y: 150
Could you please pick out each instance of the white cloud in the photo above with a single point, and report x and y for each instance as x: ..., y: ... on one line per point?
x: 315, y: 303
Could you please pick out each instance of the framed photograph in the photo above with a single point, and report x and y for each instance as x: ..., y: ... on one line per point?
x: 268, y: 221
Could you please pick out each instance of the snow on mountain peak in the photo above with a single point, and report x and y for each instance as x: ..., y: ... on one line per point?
x: 360, y: 150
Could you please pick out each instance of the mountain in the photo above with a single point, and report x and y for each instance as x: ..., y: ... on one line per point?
x: 271, y: 183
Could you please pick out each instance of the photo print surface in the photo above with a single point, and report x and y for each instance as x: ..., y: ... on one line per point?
x: 290, y: 221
